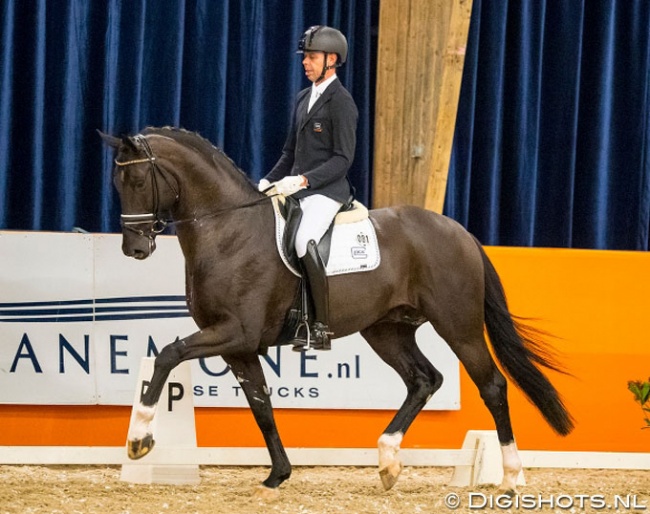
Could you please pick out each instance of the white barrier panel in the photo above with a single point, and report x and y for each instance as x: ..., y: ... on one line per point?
x: 77, y: 316
x: 173, y: 428
x: 46, y: 276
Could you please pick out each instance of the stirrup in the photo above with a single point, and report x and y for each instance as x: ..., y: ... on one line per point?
x: 317, y: 337
x: 302, y: 343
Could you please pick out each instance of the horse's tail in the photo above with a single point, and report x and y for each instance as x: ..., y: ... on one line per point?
x: 520, y: 350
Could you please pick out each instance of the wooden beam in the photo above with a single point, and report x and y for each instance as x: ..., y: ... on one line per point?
x: 413, y: 94
x: 454, y: 60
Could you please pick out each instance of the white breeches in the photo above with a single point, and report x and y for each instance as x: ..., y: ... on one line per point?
x: 318, y: 211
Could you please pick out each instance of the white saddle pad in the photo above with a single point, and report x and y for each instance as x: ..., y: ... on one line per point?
x: 354, y: 246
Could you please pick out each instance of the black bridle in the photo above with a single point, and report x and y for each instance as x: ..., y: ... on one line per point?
x: 157, y: 223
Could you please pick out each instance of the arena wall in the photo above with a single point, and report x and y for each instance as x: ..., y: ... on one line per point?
x: 593, y: 302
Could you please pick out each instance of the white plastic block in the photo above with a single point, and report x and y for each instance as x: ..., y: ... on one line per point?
x: 487, y: 467
x: 173, y: 428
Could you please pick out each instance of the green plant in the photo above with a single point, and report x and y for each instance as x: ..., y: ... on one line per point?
x: 641, y: 392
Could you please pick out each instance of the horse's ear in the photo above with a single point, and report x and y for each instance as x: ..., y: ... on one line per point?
x: 131, y: 142
x: 112, y: 141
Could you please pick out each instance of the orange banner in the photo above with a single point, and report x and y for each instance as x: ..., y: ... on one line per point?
x: 595, y: 304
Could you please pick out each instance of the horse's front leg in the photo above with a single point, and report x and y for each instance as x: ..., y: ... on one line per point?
x: 224, y: 337
x: 140, y: 437
x: 248, y: 372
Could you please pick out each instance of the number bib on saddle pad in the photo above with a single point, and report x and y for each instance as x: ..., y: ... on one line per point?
x: 353, y: 248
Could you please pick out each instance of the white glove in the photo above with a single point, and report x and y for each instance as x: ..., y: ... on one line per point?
x: 290, y: 185
x: 263, y: 185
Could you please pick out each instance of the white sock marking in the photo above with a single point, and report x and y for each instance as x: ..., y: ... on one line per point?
x: 141, y: 421
x: 511, y: 466
x: 389, y: 446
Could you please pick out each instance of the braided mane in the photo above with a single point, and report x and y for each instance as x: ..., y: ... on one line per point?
x: 200, y: 144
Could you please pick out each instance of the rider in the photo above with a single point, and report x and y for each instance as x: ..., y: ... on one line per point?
x: 315, y: 160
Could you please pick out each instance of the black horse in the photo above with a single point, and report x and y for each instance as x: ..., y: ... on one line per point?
x: 239, y: 292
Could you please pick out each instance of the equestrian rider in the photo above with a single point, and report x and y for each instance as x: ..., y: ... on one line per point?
x: 316, y: 157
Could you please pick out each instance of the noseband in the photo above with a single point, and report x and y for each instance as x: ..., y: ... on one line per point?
x: 156, y: 223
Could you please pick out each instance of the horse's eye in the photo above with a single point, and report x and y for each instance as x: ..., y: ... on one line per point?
x: 139, y: 184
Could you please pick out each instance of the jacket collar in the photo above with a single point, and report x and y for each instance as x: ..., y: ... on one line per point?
x: 324, y: 98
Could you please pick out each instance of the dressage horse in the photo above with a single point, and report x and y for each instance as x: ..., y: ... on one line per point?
x: 239, y: 292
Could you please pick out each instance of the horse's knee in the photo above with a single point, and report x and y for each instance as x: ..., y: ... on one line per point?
x: 436, y: 380
x: 170, y: 356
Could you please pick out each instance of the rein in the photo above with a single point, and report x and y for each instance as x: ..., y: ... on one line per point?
x: 214, y: 214
x: 158, y: 224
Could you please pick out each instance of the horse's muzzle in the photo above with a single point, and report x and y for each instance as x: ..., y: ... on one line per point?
x: 136, y: 246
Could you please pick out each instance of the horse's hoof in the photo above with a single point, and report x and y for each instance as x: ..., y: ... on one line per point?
x: 510, y: 492
x: 390, y: 474
x: 138, y: 448
x: 266, y: 494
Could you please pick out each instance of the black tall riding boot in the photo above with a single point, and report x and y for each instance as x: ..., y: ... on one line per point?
x: 316, y: 276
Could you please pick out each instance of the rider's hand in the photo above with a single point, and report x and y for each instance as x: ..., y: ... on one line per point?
x: 263, y: 185
x: 290, y: 185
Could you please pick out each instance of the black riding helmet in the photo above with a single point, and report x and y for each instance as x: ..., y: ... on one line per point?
x: 321, y: 38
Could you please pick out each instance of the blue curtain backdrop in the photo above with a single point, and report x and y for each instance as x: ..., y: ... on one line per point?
x: 226, y: 69
x: 551, y: 145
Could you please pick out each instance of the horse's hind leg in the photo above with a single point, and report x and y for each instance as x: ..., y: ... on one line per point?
x: 492, y: 387
x: 395, y: 344
x: 248, y: 372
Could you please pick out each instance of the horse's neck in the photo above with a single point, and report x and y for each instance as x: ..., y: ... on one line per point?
x: 217, y: 210
x: 209, y: 186
x: 242, y: 232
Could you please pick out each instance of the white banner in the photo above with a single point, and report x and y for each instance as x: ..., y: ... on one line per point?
x: 77, y: 316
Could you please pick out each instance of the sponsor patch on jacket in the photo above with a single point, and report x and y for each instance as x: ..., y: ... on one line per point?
x: 318, y: 127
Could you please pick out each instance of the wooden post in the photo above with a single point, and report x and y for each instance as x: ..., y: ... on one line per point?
x: 420, y: 61
x: 454, y: 60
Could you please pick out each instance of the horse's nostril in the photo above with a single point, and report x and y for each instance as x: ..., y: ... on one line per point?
x: 133, y: 252
x: 138, y: 248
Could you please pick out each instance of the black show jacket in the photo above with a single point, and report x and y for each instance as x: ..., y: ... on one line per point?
x: 321, y: 143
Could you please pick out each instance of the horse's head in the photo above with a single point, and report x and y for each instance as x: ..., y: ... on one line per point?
x: 146, y: 194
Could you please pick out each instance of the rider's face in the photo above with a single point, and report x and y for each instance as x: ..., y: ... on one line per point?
x: 313, y: 63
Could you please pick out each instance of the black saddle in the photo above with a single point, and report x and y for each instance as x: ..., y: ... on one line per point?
x: 292, y: 214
